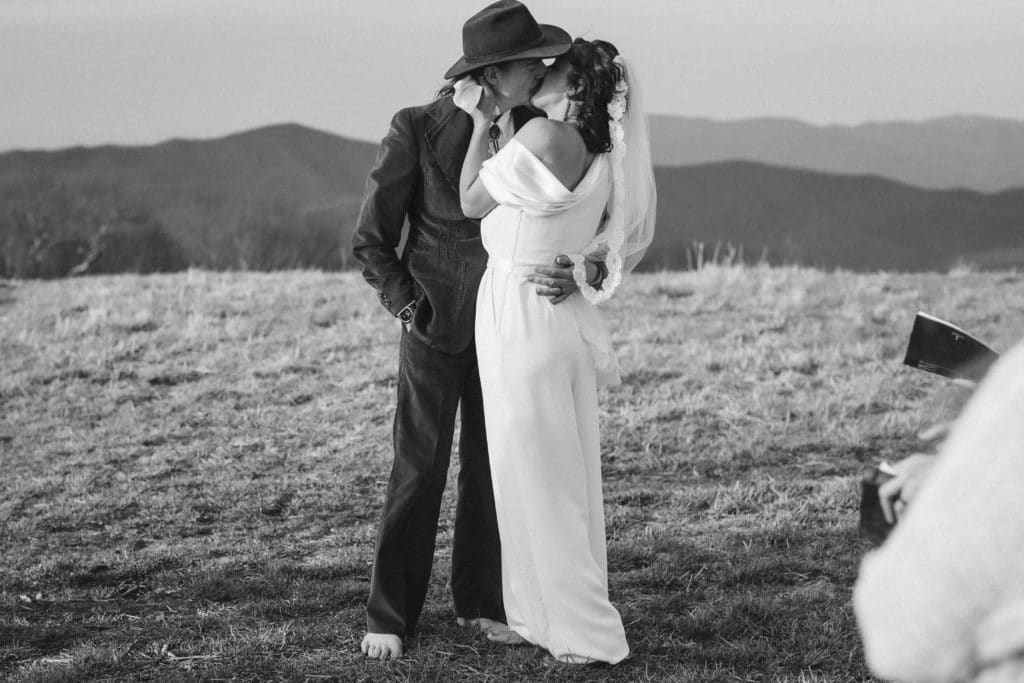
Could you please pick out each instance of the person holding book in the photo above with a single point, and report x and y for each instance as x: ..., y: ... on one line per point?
x: 939, y: 347
x: 942, y: 599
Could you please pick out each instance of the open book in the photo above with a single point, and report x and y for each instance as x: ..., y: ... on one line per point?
x: 943, y: 348
x: 935, y: 346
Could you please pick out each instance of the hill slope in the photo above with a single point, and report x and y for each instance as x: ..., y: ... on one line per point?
x: 207, y: 191
x: 303, y: 163
x: 856, y: 222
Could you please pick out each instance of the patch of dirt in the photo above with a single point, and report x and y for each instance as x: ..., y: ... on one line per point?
x: 382, y: 383
x: 147, y: 326
x: 176, y: 378
x: 66, y: 376
x: 221, y: 395
x: 278, y: 505
x: 674, y: 292
x: 141, y: 397
x: 640, y: 498
x: 647, y: 376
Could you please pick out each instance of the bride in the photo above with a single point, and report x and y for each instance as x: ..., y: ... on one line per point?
x: 580, y: 183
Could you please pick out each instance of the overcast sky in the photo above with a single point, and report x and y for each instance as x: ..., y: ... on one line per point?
x: 142, y: 71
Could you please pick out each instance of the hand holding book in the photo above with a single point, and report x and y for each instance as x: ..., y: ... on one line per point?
x: 942, y: 348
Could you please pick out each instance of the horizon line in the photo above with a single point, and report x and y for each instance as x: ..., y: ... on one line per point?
x: 691, y: 117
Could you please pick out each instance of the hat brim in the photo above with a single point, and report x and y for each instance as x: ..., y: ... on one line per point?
x: 556, y: 42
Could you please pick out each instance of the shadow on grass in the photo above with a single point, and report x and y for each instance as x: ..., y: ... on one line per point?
x: 194, y: 609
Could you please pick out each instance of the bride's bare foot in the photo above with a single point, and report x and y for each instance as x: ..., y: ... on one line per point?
x: 483, y: 623
x: 500, y: 633
x: 490, y: 625
x: 381, y: 645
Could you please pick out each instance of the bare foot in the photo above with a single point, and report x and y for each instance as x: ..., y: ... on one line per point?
x: 500, y: 633
x: 382, y: 645
x: 490, y: 625
x: 483, y: 623
x: 496, y: 631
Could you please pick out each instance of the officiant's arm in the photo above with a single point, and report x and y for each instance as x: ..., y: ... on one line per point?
x: 378, y: 232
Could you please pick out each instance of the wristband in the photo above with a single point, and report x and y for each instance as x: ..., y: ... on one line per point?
x: 602, y: 273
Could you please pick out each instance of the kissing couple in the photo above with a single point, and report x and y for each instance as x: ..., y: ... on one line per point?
x: 529, y: 195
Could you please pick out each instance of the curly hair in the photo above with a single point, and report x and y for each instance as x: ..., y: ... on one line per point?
x: 592, y: 78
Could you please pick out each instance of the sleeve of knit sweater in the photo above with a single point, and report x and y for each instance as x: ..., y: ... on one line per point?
x: 944, y: 597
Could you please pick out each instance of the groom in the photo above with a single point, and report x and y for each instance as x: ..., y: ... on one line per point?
x: 432, y: 289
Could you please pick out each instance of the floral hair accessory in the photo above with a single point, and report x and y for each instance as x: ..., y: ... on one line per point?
x: 615, y: 230
x: 617, y: 106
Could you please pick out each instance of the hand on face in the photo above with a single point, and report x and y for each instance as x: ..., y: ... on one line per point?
x: 485, y: 108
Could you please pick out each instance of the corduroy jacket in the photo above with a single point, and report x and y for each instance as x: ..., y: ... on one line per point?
x: 416, y: 177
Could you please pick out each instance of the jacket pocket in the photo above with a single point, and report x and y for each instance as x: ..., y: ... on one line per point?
x: 440, y: 300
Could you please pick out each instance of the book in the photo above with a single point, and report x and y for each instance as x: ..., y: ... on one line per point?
x: 936, y: 346
x: 943, y: 348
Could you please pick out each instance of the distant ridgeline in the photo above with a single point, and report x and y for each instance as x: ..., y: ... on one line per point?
x: 287, y: 197
x: 276, y: 198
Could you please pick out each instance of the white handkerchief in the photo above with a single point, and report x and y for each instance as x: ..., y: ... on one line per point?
x: 467, y: 95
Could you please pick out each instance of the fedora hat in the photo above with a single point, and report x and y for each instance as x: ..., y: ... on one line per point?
x: 503, y: 31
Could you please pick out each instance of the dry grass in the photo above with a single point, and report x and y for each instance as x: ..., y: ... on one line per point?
x: 193, y: 466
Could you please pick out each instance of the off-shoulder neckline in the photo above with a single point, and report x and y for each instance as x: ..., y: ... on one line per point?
x: 583, y: 180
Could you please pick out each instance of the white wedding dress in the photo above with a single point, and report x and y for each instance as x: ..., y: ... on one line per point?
x: 540, y: 365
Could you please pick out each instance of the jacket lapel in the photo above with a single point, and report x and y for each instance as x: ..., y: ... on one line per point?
x: 447, y: 139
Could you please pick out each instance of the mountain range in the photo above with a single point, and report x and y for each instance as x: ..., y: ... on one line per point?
x: 213, y: 197
x: 970, y: 152
x: 862, y: 223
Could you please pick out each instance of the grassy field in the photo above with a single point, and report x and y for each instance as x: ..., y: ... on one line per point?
x: 193, y: 466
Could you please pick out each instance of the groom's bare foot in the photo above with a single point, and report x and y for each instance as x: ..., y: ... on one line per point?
x: 381, y: 646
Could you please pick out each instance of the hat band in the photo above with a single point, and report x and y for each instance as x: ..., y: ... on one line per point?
x: 490, y: 58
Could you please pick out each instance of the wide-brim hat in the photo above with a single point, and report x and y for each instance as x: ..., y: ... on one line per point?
x: 504, y: 31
